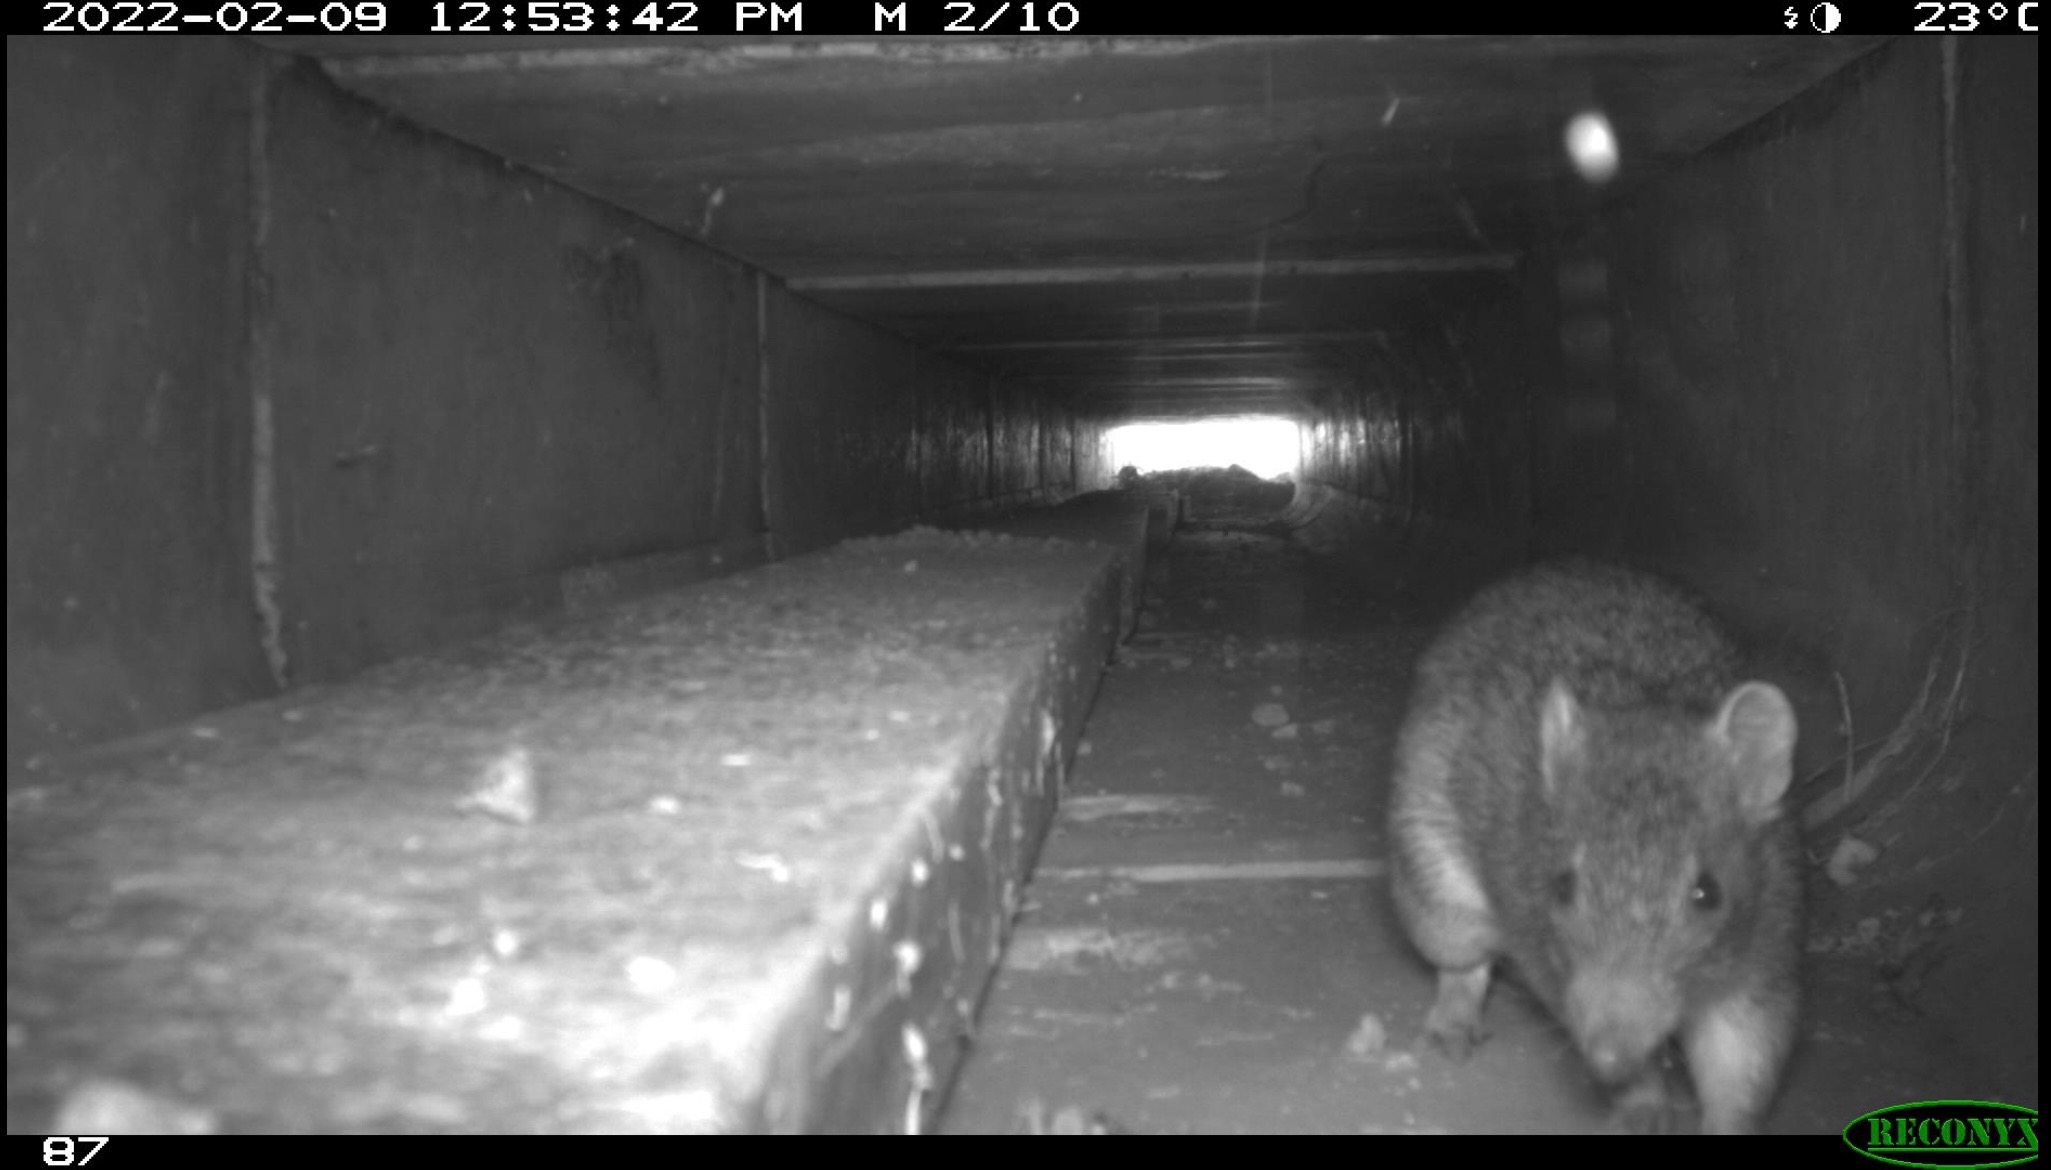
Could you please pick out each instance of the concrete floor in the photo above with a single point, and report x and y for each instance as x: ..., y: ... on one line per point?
x: 1208, y: 927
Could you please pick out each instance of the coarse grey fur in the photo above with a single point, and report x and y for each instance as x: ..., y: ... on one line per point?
x: 1584, y: 785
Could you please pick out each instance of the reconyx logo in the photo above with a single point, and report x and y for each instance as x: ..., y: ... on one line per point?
x: 1946, y: 1135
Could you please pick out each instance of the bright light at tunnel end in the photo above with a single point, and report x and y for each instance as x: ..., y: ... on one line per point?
x: 1263, y: 444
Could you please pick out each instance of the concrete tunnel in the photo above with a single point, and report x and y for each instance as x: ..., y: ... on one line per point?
x: 579, y: 585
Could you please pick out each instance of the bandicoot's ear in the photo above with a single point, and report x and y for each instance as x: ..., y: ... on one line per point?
x: 1562, y: 735
x: 1754, y: 732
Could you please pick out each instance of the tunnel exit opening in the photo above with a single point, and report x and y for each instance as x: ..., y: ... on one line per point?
x: 1266, y: 445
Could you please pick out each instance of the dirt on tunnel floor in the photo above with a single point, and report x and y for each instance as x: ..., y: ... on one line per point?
x: 1206, y: 946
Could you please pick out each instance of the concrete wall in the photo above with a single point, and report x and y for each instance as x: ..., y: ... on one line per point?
x: 477, y: 380
x: 1015, y: 441
x: 1435, y: 424
x: 1824, y: 383
x: 129, y: 596
x: 1995, y: 375
x: 953, y: 436
x: 842, y: 411
x: 1088, y: 445
x: 294, y: 388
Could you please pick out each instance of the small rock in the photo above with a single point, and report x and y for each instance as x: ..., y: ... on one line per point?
x: 650, y: 975
x: 1067, y: 1121
x: 1369, y: 1037
x: 1850, y: 856
x: 467, y: 997
x: 508, y: 790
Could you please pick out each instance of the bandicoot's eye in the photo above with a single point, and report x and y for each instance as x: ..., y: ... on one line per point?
x: 1707, y: 894
x: 1562, y: 887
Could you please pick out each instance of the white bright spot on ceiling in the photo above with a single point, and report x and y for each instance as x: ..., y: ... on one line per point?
x: 1593, y: 146
x: 1265, y: 446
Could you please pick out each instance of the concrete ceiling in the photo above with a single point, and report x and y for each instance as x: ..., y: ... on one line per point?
x: 1146, y: 226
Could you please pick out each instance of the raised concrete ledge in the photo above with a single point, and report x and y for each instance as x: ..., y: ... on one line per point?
x: 1137, y: 521
x: 1138, y: 524
x: 735, y: 857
